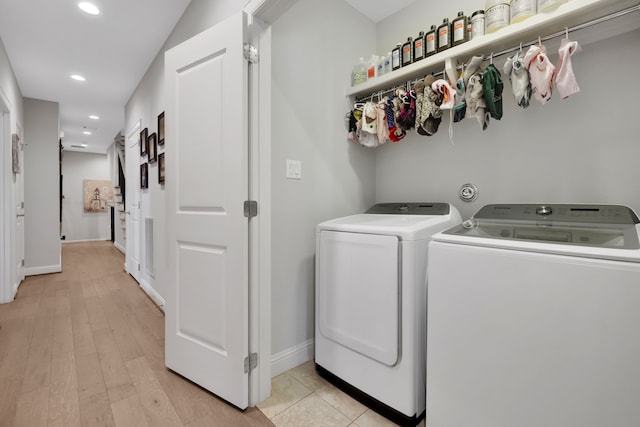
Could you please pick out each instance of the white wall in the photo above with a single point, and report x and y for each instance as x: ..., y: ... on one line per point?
x: 41, y: 187
x: 78, y: 225
x: 580, y: 150
x: 312, y: 61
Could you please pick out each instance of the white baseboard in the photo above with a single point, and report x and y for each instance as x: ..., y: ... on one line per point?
x: 84, y: 240
x: 45, y: 269
x: 292, y: 357
x: 155, y: 296
x: 119, y: 247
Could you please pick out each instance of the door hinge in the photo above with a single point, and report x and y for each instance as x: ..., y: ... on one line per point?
x: 250, y: 362
x: 23, y: 263
x: 250, y: 208
x: 250, y: 53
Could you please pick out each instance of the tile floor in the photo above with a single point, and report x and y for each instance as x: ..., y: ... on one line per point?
x: 300, y: 397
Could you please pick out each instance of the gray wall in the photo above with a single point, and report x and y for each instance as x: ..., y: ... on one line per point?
x: 312, y: 61
x: 78, y: 225
x: 41, y: 187
x: 580, y: 150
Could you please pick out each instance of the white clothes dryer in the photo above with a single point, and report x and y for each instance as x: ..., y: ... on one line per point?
x: 533, y: 317
x: 371, y: 302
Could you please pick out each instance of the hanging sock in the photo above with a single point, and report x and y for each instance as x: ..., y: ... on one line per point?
x: 383, y: 125
x: 566, y: 83
x: 492, y: 87
x: 519, y: 78
x: 541, y: 72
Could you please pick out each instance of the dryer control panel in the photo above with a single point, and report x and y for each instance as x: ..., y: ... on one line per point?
x: 424, y: 208
x: 591, y: 214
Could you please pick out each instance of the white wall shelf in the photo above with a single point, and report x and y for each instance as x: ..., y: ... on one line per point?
x: 572, y: 13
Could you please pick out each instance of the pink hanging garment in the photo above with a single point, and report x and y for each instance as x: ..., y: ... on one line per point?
x: 566, y: 83
x: 541, y: 72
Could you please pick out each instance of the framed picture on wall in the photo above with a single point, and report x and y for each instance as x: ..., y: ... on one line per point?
x: 144, y: 147
x: 161, y: 168
x: 152, y: 148
x: 161, y: 129
x: 144, y: 175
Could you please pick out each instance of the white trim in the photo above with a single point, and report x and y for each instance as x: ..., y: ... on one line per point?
x: 119, y: 247
x: 292, y: 357
x: 64, y: 242
x: 153, y: 294
x: 45, y: 269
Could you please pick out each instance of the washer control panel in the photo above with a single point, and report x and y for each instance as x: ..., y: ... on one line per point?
x: 592, y: 214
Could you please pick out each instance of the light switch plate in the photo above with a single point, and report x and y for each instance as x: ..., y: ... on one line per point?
x: 294, y: 169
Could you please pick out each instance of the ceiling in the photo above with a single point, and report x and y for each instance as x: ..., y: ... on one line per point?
x: 48, y: 40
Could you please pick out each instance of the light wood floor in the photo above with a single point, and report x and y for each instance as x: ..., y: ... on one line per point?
x: 85, y: 347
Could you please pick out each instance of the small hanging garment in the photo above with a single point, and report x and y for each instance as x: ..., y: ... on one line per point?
x: 476, y: 105
x: 519, y: 78
x: 492, y: 87
x: 445, y: 92
x: 354, y: 117
x: 460, y: 108
x: 368, y: 135
x: 566, y: 83
x: 541, y: 71
x: 431, y: 115
x: 383, y: 126
x: 395, y: 134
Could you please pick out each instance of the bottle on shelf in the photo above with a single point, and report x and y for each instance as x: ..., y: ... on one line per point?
x: 387, y: 63
x: 522, y: 9
x: 431, y: 42
x: 395, y: 57
x: 444, y: 35
x: 549, y: 5
x: 359, y: 73
x: 459, y: 32
x: 407, y: 52
x: 477, y: 24
x: 418, y: 47
x: 497, y: 14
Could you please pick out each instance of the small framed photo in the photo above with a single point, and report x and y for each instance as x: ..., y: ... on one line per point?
x: 144, y: 175
x: 161, y: 129
x: 161, y: 168
x: 153, y: 148
x: 144, y: 147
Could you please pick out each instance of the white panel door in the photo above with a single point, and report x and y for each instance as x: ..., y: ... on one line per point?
x: 206, y: 273
x: 133, y: 225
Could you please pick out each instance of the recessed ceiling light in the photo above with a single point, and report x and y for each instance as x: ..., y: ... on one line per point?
x: 89, y: 8
x: 78, y: 77
x: 79, y: 145
x: 93, y: 117
x: 86, y: 132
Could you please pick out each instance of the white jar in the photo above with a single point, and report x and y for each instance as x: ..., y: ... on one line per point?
x: 496, y: 15
x: 522, y: 9
x: 549, y: 5
x: 477, y: 24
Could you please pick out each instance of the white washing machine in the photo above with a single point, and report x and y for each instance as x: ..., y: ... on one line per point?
x: 534, y: 318
x: 371, y: 302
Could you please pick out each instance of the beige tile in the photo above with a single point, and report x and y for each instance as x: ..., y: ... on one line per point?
x: 344, y: 403
x: 64, y: 409
x: 307, y: 375
x: 373, y: 419
x: 32, y: 408
x: 311, y: 412
x: 285, y: 391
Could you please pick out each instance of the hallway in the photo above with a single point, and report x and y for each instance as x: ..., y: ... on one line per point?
x: 85, y: 347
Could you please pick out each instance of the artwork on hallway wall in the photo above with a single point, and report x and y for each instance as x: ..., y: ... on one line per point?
x: 152, y: 148
x: 161, y: 129
x: 15, y: 149
x: 144, y: 175
x: 161, y: 168
x: 143, y: 141
x: 98, y: 195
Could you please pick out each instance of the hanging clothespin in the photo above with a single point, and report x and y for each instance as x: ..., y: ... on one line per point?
x: 566, y: 33
x: 520, y: 47
x: 539, y: 42
x: 491, y: 58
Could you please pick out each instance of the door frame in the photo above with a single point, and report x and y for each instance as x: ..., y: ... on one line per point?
x: 131, y: 169
x: 7, y: 218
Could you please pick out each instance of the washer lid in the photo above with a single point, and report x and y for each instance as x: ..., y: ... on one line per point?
x: 600, y: 231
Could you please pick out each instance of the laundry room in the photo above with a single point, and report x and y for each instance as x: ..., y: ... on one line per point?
x: 583, y: 149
